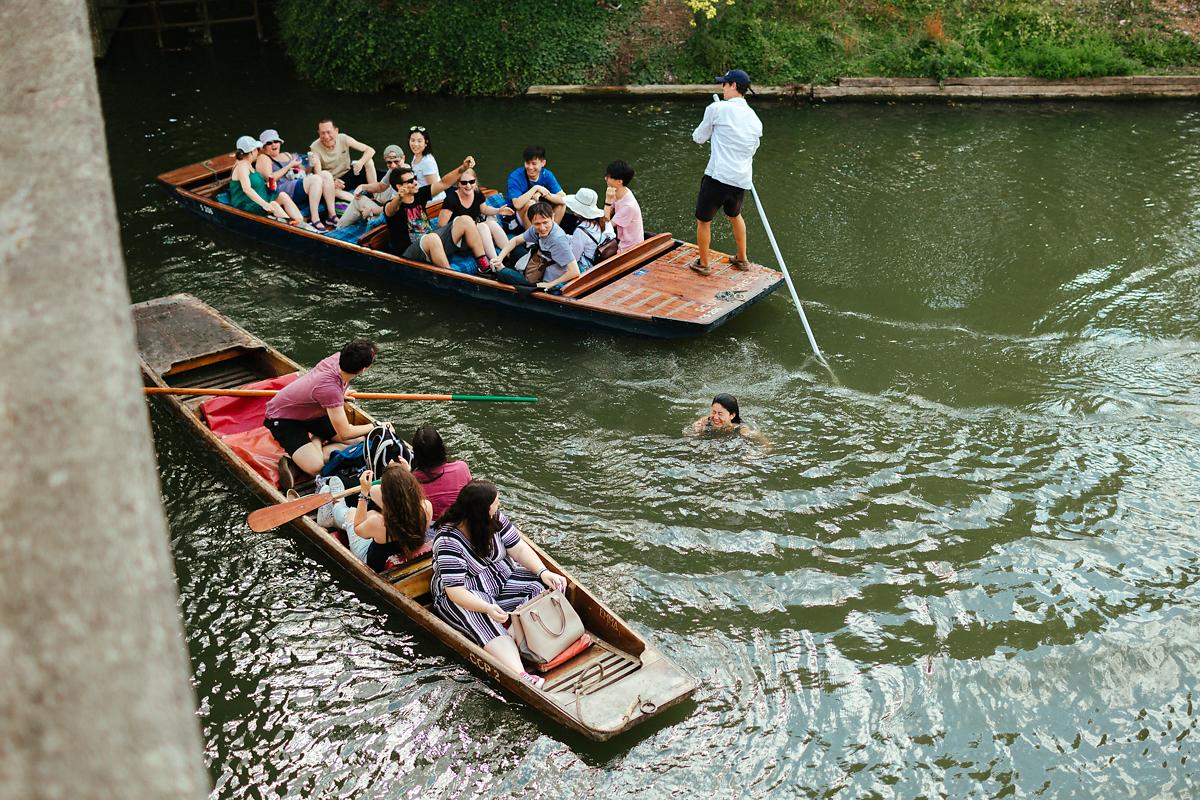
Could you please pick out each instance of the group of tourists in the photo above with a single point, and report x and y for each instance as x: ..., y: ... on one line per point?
x: 482, y: 569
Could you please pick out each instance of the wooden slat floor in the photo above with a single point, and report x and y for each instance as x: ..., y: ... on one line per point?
x: 666, y: 287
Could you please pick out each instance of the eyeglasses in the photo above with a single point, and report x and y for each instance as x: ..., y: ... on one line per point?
x: 467, y: 183
x: 417, y: 128
x: 392, y: 160
x: 276, y: 141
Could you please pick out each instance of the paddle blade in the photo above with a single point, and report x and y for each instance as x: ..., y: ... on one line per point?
x: 269, y: 518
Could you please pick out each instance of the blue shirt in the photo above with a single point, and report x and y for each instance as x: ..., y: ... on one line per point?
x: 519, y: 183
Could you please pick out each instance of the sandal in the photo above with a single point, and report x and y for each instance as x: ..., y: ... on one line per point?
x: 739, y: 264
x: 536, y: 681
x: 700, y: 269
x: 320, y: 227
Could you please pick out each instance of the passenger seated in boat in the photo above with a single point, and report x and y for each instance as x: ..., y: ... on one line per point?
x: 332, y: 149
x: 725, y: 417
x: 308, y: 416
x: 370, y: 198
x: 468, y: 201
x: 552, y: 262
x: 531, y: 184
x: 440, y: 480
x: 391, y: 519
x: 284, y: 172
x: 411, y: 231
x: 423, y: 163
x: 621, y: 207
x: 589, y: 229
x: 483, y: 569
x: 248, y: 190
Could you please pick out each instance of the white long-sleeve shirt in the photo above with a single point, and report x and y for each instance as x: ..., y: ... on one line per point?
x: 735, y: 131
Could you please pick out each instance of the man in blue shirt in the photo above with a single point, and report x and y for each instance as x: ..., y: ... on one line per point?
x: 531, y: 184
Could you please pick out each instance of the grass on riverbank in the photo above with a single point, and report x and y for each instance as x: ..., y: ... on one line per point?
x: 465, y: 47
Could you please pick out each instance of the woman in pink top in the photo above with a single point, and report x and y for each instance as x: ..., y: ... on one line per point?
x: 621, y: 207
x: 440, y: 481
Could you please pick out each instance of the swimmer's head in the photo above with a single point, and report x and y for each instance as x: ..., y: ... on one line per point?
x: 725, y: 410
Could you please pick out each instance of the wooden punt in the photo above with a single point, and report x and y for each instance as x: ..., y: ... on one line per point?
x: 647, y: 290
x: 618, y: 683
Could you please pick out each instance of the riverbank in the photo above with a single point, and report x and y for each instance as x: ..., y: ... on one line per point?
x: 1117, y: 87
x: 662, y: 42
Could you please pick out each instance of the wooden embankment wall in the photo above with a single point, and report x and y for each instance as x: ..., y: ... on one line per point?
x: 1125, y: 86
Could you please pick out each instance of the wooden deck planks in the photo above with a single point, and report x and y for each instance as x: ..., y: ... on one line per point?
x: 668, y: 288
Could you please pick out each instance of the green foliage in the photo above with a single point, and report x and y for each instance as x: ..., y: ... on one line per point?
x: 467, y: 47
x: 455, y: 46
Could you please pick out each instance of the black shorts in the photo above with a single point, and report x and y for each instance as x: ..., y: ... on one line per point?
x: 292, y: 434
x: 351, y: 180
x: 713, y: 195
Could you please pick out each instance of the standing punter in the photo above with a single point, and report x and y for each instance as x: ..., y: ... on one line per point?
x: 735, y: 131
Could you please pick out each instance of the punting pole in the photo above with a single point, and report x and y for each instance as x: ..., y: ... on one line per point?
x: 812, y: 340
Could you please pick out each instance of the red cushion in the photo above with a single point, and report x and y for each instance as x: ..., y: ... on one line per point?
x: 226, y: 415
x: 258, y: 448
x: 581, y: 644
x: 400, y: 559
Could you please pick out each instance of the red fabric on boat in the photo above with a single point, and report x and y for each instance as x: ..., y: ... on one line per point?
x: 226, y: 415
x: 258, y: 448
x: 400, y: 559
x: 581, y: 644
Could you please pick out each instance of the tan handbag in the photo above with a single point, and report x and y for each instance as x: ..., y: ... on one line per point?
x: 545, y: 626
x: 535, y: 268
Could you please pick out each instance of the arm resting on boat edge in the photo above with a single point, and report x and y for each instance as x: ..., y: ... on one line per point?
x: 524, y: 555
x: 571, y: 274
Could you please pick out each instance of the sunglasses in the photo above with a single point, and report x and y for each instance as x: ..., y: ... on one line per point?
x: 467, y: 183
x: 392, y: 160
x: 409, y: 180
x: 416, y: 128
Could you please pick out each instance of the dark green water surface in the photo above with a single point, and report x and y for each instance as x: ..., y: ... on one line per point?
x: 967, y: 568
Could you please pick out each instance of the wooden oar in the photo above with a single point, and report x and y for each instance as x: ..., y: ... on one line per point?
x: 490, y: 398
x: 271, y: 517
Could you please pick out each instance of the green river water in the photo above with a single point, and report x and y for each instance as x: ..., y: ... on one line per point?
x: 967, y: 568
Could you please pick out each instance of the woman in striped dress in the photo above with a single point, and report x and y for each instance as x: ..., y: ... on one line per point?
x: 482, y: 569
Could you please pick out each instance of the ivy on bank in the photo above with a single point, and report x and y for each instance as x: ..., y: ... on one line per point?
x: 453, y: 46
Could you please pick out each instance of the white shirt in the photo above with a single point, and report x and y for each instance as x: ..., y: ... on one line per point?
x: 735, y: 131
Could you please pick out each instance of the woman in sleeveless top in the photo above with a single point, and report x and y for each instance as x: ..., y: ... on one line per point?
x: 287, y: 170
x: 468, y: 201
x: 391, y: 519
x: 248, y: 190
x: 483, y: 569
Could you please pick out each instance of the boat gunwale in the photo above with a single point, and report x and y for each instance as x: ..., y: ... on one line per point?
x: 393, y: 596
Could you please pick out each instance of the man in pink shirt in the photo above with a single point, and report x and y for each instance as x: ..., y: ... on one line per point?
x: 309, y: 414
x: 621, y: 207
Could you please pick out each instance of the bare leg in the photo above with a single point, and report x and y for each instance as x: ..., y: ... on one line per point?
x: 464, y: 228
x: 703, y: 238
x: 505, y: 651
x: 431, y: 243
x: 739, y: 235
x: 309, y: 458
x: 560, y: 212
x: 370, y: 169
x: 289, y: 205
x: 499, y: 238
x: 312, y: 187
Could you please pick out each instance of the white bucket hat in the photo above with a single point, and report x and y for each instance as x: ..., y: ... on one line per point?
x: 247, y: 143
x: 583, y: 203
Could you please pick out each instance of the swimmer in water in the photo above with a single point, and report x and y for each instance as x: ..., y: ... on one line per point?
x: 724, y: 417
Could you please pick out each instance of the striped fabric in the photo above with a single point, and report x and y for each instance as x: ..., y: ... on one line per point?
x: 501, y: 581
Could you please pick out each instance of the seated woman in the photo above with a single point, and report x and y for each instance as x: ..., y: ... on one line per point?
x: 391, y: 519
x: 423, y: 163
x: 589, y: 230
x: 482, y: 569
x: 248, y: 190
x: 724, y: 417
x: 468, y: 202
x: 440, y: 481
x: 286, y: 170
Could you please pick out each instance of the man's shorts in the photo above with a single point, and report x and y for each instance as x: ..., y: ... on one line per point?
x: 415, y: 253
x: 351, y: 180
x: 292, y: 434
x: 714, y: 194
